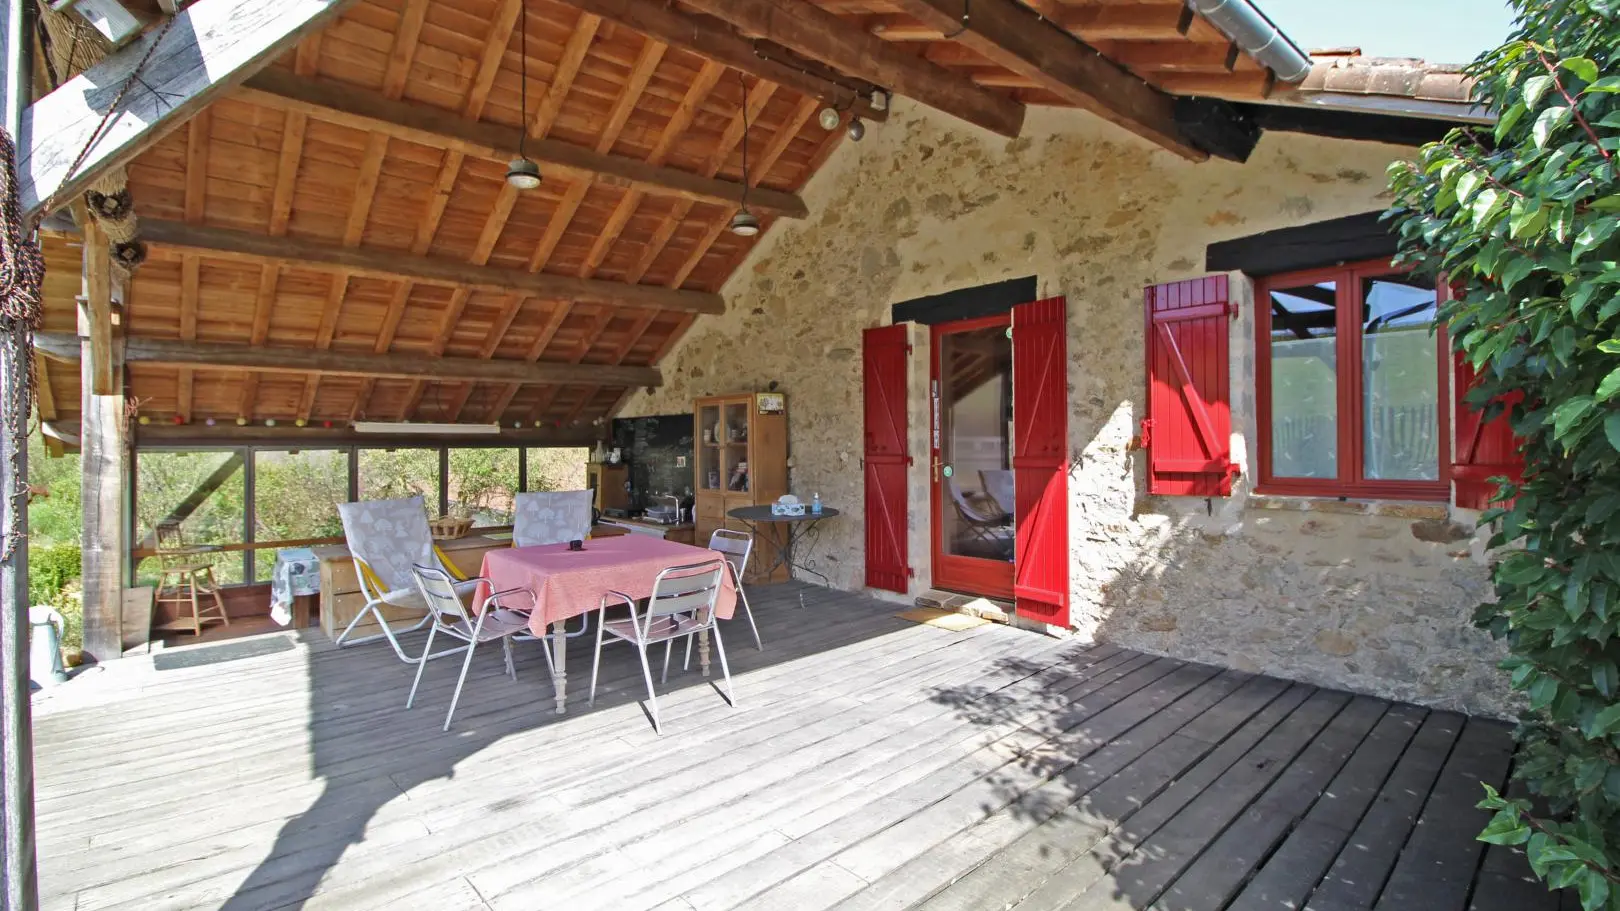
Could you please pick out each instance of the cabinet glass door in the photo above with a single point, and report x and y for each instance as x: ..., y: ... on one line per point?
x: 711, y: 472
x: 738, y: 477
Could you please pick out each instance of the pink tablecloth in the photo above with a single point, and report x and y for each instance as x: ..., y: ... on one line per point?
x: 570, y: 583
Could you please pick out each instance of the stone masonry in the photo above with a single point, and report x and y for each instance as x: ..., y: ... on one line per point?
x: 1369, y: 597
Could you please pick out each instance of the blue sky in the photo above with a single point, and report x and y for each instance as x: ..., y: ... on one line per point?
x: 1440, y: 31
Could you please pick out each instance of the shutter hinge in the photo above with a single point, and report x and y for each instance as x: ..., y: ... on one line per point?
x: 908, y: 347
x: 911, y: 573
x: 908, y: 461
x: 1232, y: 309
x: 1147, y: 432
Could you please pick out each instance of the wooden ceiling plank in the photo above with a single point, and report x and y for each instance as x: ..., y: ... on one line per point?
x: 45, y: 398
x: 713, y: 40
x: 820, y: 35
x: 1177, y: 56
x: 1014, y: 36
x: 1254, y: 86
x: 438, y: 128
x: 65, y: 346
x: 892, y: 27
x: 293, y: 130
x: 767, y: 160
x: 547, y: 332
x: 441, y: 340
x: 354, y: 229
x: 307, y: 59
x: 754, y: 103
x: 195, y: 204
x: 204, y: 51
x: 385, y: 341
x: 263, y: 300
x: 300, y: 253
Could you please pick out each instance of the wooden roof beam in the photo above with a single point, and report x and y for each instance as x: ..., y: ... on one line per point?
x: 1017, y: 38
x: 1144, y: 22
x: 65, y: 346
x: 207, y: 49
x: 712, y: 39
x: 844, y: 46
x: 392, y: 265
x: 363, y: 109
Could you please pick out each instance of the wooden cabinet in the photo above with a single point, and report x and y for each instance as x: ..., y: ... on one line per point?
x: 741, y: 459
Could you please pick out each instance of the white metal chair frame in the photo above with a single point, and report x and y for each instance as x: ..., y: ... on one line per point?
x: 682, y: 604
x: 735, y: 547
x: 376, y: 599
x: 450, y: 617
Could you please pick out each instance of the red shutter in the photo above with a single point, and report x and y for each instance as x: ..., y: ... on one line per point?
x: 884, y: 360
x: 1485, y: 449
x: 1188, y: 429
x: 1041, y: 460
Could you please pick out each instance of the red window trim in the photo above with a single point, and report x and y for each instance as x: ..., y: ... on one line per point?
x: 1351, y: 481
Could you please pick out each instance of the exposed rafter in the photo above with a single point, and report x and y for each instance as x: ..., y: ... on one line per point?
x: 65, y: 346
x: 820, y: 35
x: 390, y: 265
x: 437, y: 128
x: 712, y: 39
x: 1015, y: 37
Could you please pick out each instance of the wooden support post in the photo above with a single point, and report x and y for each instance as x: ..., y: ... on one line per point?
x: 104, y: 476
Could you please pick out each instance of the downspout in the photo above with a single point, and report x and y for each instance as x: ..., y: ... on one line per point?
x: 1257, y: 36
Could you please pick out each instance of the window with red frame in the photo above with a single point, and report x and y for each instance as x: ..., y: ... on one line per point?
x: 1352, y: 384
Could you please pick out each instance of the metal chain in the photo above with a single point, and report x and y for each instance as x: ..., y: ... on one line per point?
x: 22, y: 272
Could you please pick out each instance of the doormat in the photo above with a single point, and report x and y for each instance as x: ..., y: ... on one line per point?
x: 214, y: 654
x: 943, y: 619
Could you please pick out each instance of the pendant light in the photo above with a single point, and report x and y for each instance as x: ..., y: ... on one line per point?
x: 744, y: 223
x: 523, y: 174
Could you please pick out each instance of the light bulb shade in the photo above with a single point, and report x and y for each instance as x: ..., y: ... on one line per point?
x: 523, y: 174
x: 829, y: 119
x: 744, y: 224
x: 856, y: 129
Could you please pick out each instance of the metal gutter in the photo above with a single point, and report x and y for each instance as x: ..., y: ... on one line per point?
x: 1256, y: 35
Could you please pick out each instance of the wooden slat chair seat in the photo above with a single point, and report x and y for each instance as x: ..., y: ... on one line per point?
x: 187, y: 583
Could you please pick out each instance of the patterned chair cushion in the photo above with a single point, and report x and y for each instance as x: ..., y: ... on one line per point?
x: 390, y: 536
x: 551, y: 517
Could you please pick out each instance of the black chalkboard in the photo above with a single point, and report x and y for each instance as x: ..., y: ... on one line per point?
x: 658, y: 449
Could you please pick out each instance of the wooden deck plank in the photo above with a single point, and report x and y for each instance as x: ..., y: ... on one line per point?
x: 1436, y: 868
x: 872, y: 763
x: 1295, y: 868
x: 1358, y: 875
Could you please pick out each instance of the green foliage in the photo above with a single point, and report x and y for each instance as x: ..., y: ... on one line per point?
x: 50, y: 569
x: 1524, y: 222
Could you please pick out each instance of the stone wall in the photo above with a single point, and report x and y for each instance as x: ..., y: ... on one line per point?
x: 926, y: 204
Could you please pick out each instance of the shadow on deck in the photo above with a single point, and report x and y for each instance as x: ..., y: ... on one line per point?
x: 872, y: 763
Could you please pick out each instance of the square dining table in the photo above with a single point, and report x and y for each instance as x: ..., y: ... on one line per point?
x: 568, y: 583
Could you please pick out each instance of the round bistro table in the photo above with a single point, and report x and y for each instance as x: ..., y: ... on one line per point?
x: 792, y: 537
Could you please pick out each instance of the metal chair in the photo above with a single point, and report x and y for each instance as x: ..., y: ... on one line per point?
x: 450, y: 617
x: 991, y: 529
x: 734, y: 547
x: 551, y: 517
x: 999, y: 486
x: 387, y: 538
x: 682, y: 604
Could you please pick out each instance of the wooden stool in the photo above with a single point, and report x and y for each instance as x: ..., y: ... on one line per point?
x: 183, y: 581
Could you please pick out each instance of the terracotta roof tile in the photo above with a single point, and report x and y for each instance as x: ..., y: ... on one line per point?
x: 1402, y: 77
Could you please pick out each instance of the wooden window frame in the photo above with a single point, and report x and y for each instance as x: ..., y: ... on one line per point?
x: 1351, y: 481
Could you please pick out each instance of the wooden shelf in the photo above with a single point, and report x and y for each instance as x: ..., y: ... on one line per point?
x: 763, y: 447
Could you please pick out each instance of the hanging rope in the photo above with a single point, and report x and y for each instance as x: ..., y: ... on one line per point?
x: 22, y: 272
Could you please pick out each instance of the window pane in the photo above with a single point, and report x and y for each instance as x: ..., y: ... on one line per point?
x: 202, y: 492
x: 558, y: 468
x: 1304, y: 382
x: 295, y: 495
x: 482, y: 482
x: 1400, y: 381
x: 975, y: 414
x: 389, y: 473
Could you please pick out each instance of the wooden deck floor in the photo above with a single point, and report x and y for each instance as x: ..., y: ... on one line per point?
x: 872, y: 763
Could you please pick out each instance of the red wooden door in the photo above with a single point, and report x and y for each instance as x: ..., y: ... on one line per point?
x: 1041, y: 460
x: 971, y: 532
x: 887, y: 455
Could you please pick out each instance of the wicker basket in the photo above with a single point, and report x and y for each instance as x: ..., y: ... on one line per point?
x: 447, y: 528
